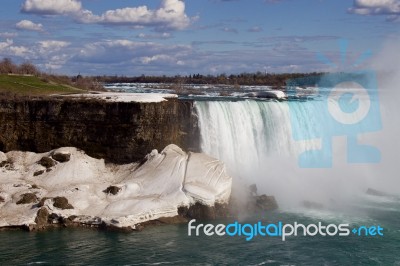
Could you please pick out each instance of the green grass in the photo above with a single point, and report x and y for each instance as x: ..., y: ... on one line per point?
x: 30, y: 85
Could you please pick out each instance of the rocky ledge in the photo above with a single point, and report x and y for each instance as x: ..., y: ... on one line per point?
x: 67, y: 187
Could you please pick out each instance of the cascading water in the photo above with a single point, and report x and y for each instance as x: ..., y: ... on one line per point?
x: 254, y: 139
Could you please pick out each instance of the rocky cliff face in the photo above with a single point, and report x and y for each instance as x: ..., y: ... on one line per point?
x: 118, y: 132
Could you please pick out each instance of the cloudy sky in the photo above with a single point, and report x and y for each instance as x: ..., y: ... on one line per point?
x: 134, y: 37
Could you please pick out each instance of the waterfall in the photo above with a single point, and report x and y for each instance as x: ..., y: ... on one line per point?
x: 255, y: 140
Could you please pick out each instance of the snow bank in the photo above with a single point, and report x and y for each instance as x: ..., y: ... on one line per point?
x: 126, y: 97
x: 155, y: 189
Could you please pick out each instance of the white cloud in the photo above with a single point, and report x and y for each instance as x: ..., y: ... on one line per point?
x: 170, y: 15
x: 164, y: 35
x: 390, y: 8
x: 8, y: 34
x: 29, y: 25
x: 255, y: 29
x: 51, y: 7
x: 49, y: 47
x: 158, y: 58
x: 8, y: 49
x: 6, y: 44
x: 231, y: 30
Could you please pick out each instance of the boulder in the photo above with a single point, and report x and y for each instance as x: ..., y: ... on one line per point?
x: 266, y: 203
x: 42, y: 217
x: 41, y: 202
x: 61, y: 157
x: 62, y: 203
x: 46, y: 162
x: 112, y: 190
x: 27, y: 198
x: 38, y: 173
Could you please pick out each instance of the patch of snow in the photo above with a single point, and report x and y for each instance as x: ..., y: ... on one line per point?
x: 3, y: 157
x: 125, y: 97
x: 166, y: 181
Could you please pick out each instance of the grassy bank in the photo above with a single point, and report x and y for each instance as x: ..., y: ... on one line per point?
x: 32, y: 85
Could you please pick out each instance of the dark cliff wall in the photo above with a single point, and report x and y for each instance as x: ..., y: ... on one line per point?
x: 118, y: 132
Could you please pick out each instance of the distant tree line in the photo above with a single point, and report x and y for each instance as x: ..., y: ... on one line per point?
x: 258, y: 78
x: 94, y: 82
x: 8, y: 67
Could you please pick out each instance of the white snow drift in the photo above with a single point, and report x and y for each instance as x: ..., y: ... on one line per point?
x: 156, y: 189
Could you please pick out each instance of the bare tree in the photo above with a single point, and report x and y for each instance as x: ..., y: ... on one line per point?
x: 28, y: 68
x: 7, y: 66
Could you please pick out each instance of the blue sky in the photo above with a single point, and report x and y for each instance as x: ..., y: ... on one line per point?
x: 168, y: 37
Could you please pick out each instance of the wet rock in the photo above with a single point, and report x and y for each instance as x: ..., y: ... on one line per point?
x: 42, y: 217
x: 253, y: 189
x: 61, y: 157
x: 47, y: 162
x: 62, y: 203
x: 266, y: 203
x: 199, y: 211
x: 112, y: 190
x: 54, y: 218
x: 27, y: 198
x: 160, y: 221
x: 37, y: 173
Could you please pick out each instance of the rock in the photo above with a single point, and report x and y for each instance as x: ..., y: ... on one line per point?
x: 47, y: 162
x: 38, y: 173
x: 27, y: 198
x: 34, y: 186
x: 1, y: 199
x: 41, y: 202
x: 61, y: 157
x: 62, y: 203
x: 253, y: 189
x: 201, y: 212
x: 54, y: 218
x: 112, y: 190
x: 154, y: 191
x: 8, y: 164
x: 42, y: 217
x: 266, y: 203
x: 160, y: 221
x: 117, y: 132
x: 204, y: 212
